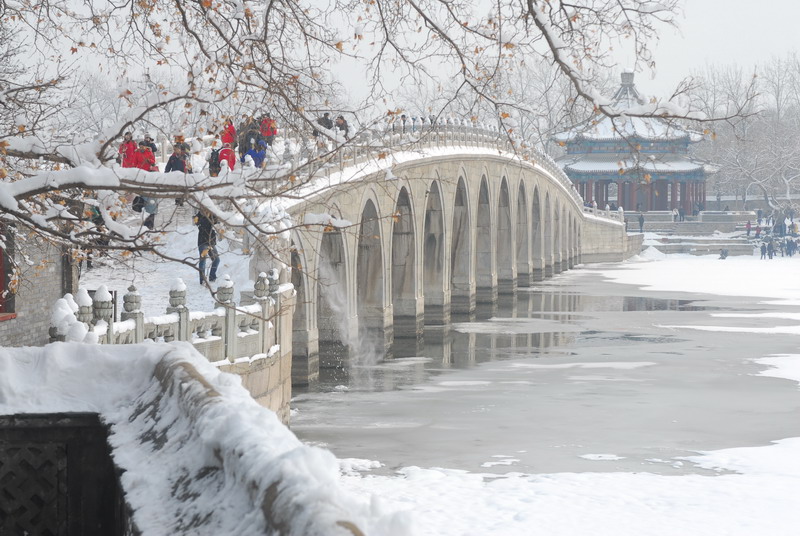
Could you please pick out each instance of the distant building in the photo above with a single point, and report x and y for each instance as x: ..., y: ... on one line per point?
x: 636, y: 163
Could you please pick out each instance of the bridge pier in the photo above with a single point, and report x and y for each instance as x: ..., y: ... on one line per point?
x: 463, y: 301
x: 305, y: 357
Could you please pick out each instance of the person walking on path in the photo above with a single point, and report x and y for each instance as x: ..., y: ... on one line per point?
x: 641, y: 223
x: 748, y: 226
x: 763, y: 251
x: 207, y: 244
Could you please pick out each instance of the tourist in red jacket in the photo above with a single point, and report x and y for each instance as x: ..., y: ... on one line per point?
x: 269, y: 129
x: 228, y: 155
x: 143, y: 157
x: 228, y: 133
x: 126, y: 151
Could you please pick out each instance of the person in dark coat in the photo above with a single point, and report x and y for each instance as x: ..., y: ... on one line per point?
x: 176, y: 160
x: 325, y: 122
x: 207, y: 244
x: 342, y: 126
x: 641, y: 223
x: 148, y: 140
x: 763, y: 250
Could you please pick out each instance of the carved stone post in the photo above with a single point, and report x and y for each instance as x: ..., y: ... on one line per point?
x: 225, y: 298
x: 274, y: 285
x: 177, y: 304
x: 103, y: 309
x: 132, y: 303
x: 261, y: 293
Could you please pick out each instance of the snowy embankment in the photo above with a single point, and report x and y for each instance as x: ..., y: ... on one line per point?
x: 191, y: 442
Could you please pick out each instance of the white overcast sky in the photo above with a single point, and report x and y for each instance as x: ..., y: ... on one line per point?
x: 742, y: 32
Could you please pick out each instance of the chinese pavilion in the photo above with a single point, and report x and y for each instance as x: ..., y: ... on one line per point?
x: 642, y: 163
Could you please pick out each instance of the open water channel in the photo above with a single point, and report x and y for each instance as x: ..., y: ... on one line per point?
x: 575, y: 374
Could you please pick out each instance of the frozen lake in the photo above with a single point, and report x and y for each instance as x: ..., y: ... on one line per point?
x: 578, y: 374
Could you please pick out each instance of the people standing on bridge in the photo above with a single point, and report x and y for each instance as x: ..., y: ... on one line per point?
x: 641, y: 222
x: 747, y: 227
x: 342, y: 126
x: 681, y: 214
x: 675, y: 214
x: 207, y: 244
x: 763, y: 251
x: 758, y: 232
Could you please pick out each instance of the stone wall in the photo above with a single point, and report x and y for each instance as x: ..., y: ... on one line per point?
x: 607, y: 241
x: 42, y: 282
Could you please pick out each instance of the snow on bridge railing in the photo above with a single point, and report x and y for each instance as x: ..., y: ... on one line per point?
x: 228, y: 334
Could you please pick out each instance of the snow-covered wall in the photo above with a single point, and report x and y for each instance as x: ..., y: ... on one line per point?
x: 604, y: 240
x: 199, y: 456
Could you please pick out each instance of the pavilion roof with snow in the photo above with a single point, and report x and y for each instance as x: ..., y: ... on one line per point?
x: 639, y: 163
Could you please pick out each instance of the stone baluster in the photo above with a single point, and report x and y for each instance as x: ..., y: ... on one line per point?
x: 132, y: 303
x: 177, y: 304
x: 103, y: 310
x: 225, y: 298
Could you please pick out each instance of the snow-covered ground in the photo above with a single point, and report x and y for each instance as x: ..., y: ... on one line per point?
x: 749, y: 490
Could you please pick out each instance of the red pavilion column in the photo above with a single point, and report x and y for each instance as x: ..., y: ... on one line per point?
x: 589, y: 191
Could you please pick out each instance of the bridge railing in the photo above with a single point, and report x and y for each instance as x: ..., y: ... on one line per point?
x: 309, y: 157
x: 227, y: 333
x: 372, y: 145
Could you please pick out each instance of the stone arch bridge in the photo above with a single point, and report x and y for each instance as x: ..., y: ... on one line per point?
x: 427, y: 231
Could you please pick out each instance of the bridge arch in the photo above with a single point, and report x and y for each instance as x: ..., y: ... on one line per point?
x: 523, y: 238
x: 335, y: 332
x: 557, y: 236
x: 537, y: 236
x: 433, y: 257
x: 485, y: 274
x: 373, y: 336
x: 462, y: 289
x: 548, y: 234
x: 404, y: 266
x: 505, y: 241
